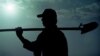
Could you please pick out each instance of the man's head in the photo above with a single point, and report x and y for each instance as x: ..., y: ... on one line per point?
x: 49, y: 17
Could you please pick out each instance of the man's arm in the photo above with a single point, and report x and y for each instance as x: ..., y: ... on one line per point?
x: 32, y: 46
x: 26, y: 44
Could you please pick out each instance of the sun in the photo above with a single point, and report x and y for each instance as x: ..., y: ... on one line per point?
x: 10, y: 8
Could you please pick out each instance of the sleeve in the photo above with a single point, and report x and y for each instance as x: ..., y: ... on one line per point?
x: 32, y: 46
x: 28, y: 45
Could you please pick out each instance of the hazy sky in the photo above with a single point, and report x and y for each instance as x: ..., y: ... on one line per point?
x: 22, y: 13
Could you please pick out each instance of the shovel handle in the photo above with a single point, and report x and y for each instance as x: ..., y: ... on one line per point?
x: 39, y: 29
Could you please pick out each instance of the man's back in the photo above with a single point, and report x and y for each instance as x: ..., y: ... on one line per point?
x: 52, y: 42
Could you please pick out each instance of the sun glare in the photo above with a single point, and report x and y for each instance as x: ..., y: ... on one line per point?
x: 10, y: 8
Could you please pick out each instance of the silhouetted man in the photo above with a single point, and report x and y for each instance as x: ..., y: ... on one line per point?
x: 51, y: 41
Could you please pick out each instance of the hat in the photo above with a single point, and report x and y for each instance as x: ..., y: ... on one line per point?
x: 48, y: 12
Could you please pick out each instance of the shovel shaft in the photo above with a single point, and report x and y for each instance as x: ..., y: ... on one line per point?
x: 39, y: 29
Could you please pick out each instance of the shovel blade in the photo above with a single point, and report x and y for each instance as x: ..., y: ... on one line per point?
x: 89, y: 27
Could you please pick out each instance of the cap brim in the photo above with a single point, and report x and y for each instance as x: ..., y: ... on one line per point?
x: 40, y: 15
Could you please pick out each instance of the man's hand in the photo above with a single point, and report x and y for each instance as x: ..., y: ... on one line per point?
x: 19, y: 31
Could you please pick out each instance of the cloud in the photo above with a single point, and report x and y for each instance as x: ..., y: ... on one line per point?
x: 50, y: 0
x: 64, y: 13
x: 89, y: 10
x: 84, y: 12
x: 42, y: 0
